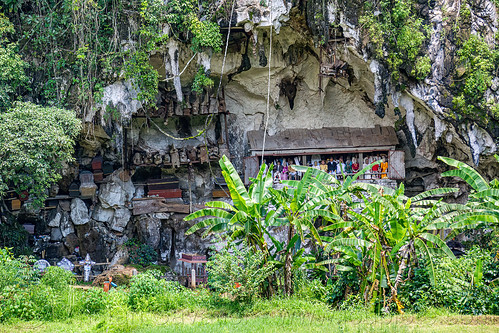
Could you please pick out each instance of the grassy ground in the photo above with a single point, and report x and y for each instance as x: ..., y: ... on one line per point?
x: 278, y: 315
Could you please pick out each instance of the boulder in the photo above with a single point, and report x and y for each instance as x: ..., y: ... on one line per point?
x: 120, y: 220
x: 66, y: 225
x: 56, y: 250
x: 71, y: 242
x: 55, y: 234
x: 117, y: 192
x: 120, y: 257
x: 121, y: 275
x: 79, y: 212
x: 148, y: 228
x: 55, y: 219
x: 103, y: 214
x: 65, y: 205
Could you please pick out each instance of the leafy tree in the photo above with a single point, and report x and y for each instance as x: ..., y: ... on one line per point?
x: 35, y: 141
x: 12, y: 66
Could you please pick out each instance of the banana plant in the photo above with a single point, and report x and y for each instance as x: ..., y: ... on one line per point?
x: 297, y: 207
x: 386, y: 234
x: 246, y: 218
x: 483, y: 201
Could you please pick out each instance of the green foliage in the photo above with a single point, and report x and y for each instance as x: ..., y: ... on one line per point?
x: 12, y: 76
x: 206, y: 35
x: 238, y: 272
x: 57, y: 278
x: 16, y: 272
x: 457, y: 287
x: 479, y: 62
x: 397, y: 35
x: 149, y: 292
x: 14, y: 236
x: 201, y: 81
x: 79, y: 46
x: 141, y: 254
x: 143, y: 75
x: 34, y: 143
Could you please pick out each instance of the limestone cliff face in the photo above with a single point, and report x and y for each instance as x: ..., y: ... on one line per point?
x: 278, y: 40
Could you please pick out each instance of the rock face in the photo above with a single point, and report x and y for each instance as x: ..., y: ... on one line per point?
x: 297, y: 98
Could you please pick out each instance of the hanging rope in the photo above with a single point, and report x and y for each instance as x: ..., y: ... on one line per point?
x: 267, y: 114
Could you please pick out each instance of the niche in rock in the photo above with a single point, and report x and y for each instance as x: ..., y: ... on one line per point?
x: 184, y: 127
x: 144, y: 173
x: 288, y: 89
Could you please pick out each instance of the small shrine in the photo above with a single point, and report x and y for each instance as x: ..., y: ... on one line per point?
x: 194, y: 274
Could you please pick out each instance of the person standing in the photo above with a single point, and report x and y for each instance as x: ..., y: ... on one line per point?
x: 323, y: 166
x: 331, y: 166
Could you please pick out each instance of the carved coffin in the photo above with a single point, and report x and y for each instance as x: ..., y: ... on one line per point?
x: 97, y: 163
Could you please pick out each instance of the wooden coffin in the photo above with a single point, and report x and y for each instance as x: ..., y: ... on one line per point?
x: 15, y: 204
x: 163, y: 184
x: 107, y: 168
x: 219, y: 193
x: 51, y: 203
x: 10, y: 194
x: 74, y: 190
x: 193, y: 257
x: 87, y: 190
x: 169, y: 193
x: 97, y: 163
x: 98, y: 175
x: 86, y: 177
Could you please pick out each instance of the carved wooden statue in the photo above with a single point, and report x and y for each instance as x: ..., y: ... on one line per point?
x: 137, y: 159
x: 174, y: 157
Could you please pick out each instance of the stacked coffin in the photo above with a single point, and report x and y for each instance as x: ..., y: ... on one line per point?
x: 97, y: 169
x: 165, y: 188
x: 87, y: 187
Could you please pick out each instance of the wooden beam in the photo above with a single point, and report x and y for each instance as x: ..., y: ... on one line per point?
x: 160, y: 205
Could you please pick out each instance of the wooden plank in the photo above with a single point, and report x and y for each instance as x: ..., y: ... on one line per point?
x: 251, y: 168
x: 153, y: 205
x: 218, y: 193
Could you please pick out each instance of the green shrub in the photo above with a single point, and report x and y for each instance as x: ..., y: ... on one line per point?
x: 238, y: 272
x: 16, y: 271
x: 16, y: 303
x: 57, y: 278
x: 457, y: 286
x: 141, y: 254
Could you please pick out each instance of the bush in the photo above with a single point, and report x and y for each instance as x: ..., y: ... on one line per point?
x: 238, y: 272
x: 16, y: 271
x: 457, y: 288
x: 57, y: 278
x: 141, y: 254
x: 149, y: 292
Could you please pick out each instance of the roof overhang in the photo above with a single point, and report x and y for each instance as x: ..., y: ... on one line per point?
x: 324, y: 141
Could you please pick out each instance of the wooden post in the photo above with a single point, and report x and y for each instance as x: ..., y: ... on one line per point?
x: 193, y: 277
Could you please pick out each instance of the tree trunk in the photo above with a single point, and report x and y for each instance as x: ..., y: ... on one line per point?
x: 288, y: 265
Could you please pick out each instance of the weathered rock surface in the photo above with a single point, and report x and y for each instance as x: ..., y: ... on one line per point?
x: 79, y: 212
x: 117, y: 192
x: 148, y: 230
x: 120, y: 220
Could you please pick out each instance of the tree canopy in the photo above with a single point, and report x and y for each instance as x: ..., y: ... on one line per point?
x: 34, y: 143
